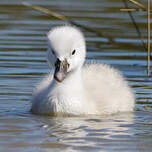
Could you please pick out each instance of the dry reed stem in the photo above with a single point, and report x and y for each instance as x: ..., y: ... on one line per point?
x: 133, y: 9
x: 64, y: 18
x: 138, y: 4
x: 148, y: 50
x: 142, y: 87
x: 46, y: 11
x: 135, y: 24
x: 128, y: 9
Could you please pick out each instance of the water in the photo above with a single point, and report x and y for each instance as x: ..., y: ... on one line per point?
x: 23, y: 64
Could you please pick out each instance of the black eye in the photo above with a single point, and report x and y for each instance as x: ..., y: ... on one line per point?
x: 73, y: 52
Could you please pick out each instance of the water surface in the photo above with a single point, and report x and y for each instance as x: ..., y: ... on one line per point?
x: 23, y: 64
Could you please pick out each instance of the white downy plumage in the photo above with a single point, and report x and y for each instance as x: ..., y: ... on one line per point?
x: 76, y: 89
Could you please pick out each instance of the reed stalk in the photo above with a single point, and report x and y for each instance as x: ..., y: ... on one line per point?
x: 135, y: 24
x: 129, y: 9
x: 142, y: 87
x: 148, y: 45
x: 64, y: 18
x: 133, y: 9
x: 138, y: 4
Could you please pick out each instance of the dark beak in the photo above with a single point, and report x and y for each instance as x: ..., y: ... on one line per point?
x: 60, y: 70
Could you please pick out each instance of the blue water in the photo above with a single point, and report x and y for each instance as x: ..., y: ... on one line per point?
x: 23, y: 64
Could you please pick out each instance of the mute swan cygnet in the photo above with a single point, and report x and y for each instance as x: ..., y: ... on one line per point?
x: 76, y: 89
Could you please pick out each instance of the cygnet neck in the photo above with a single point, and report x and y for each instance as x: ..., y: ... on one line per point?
x: 74, y: 77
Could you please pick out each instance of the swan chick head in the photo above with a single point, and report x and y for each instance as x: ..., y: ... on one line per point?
x: 66, y: 50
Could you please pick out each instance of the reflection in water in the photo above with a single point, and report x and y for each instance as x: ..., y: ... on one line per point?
x: 90, y: 133
x: 118, y: 132
x: 81, y: 127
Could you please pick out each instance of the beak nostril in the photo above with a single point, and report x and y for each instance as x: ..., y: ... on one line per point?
x: 61, y: 64
x: 68, y: 65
